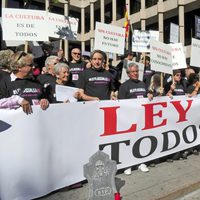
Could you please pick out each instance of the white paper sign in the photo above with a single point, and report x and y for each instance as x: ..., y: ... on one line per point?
x: 174, y: 33
x: 178, y: 56
x: 64, y: 27
x: 125, y: 75
x: 109, y: 38
x: 195, y: 52
x: 64, y: 93
x: 141, y: 40
x: 161, y: 57
x: 24, y: 25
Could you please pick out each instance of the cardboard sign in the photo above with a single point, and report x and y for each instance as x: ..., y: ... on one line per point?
x: 64, y: 27
x: 195, y: 52
x: 141, y: 40
x: 109, y: 38
x: 174, y: 33
x: 24, y: 25
x: 161, y: 57
x: 178, y: 56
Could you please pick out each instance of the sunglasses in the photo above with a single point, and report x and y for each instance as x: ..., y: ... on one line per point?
x: 22, y: 54
x: 76, y: 53
x: 30, y: 65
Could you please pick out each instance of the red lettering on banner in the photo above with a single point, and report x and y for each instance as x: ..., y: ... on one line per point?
x: 180, y: 109
x: 8, y: 16
x: 149, y: 115
x: 110, y: 122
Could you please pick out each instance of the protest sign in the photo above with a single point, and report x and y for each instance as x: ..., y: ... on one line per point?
x: 52, y: 156
x: 178, y: 56
x: 161, y: 57
x: 141, y: 40
x: 174, y: 33
x: 197, y: 26
x: 64, y: 27
x: 109, y: 38
x: 195, y: 52
x: 65, y: 93
x: 24, y: 25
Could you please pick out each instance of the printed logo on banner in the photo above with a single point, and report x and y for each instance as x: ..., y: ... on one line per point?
x: 4, y: 126
x: 66, y: 32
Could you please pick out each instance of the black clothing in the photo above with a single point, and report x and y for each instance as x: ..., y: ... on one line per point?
x: 190, y: 89
x: 115, y: 79
x: 76, y: 69
x: 148, y: 73
x: 46, y: 79
x: 51, y: 91
x: 96, y: 83
x: 179, y: 89
x: 132, y: 89
x: 25, y: 88
x: 3, y: 74
x: 122, y: 64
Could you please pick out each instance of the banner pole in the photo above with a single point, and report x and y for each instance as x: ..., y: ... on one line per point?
x: 26, y: 47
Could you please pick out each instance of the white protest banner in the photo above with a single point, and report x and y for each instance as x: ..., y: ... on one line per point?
x: 141, y: 40
x: 64, y: 27
x: 195, y: 52
x: 174, y: 33
x: 10, y: 43
x: 125, y: 77
x: 161, y: 57
x: 178, y: 56
x: 46, y: 150
x: 24, y: 25
x: 52, y: 156
x: 109, y: 38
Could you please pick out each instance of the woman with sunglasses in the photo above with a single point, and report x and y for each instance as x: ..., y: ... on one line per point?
x: 175, y: 87
x: 21, y: 82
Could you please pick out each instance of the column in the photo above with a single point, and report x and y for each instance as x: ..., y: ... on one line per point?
x: 143, y: 15
x: 161, y: 20
x: 82, y: 28
x: 181, y: 21
x: 128, y: 6
x: 102, y: 11
x: 4, y: 3
x: 91, y: 25
x: 47, y: 4
x: 114, y: 11
x: 66, y: 43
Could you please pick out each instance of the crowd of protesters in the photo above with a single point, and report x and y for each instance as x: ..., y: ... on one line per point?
x: 27, y: 81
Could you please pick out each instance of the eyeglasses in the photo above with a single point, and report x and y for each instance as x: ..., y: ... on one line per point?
x: 22, y: 54
x: 75, y: 53
x: 30, y: 65
x: 178, y: 75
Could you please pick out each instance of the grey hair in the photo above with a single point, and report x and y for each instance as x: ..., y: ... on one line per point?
x: 18, y: 60
x: 59, y: 66
x: 50, y: 60
x: 5, y: 58
x: 132, y: 64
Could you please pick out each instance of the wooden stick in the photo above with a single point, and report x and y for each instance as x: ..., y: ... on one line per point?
x: 60, y: 47
x: 26, y: 47
x: 161, y: 80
